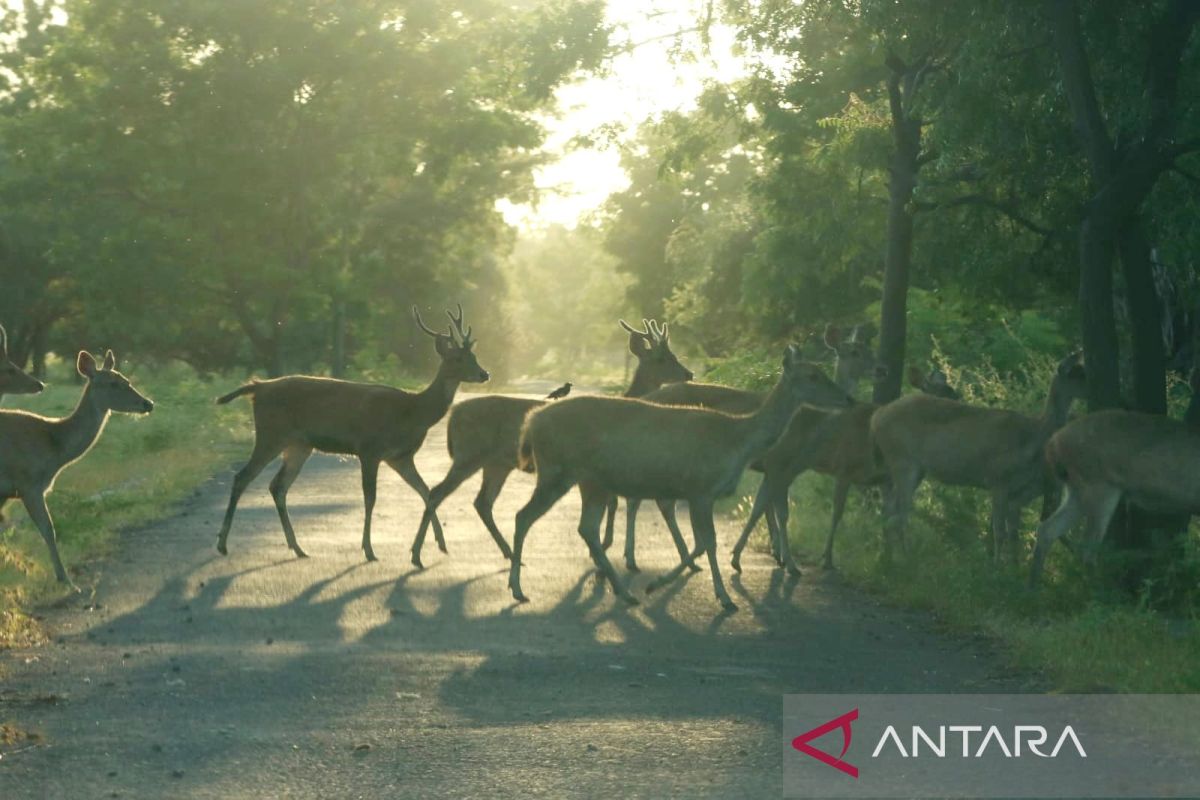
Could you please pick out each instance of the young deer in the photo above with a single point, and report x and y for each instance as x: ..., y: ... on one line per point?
x: 920, y: 435
x: 379, y: 424
x: 13, y: 379
x: 1150, y: 460
x: 835, y: 443
x: 35, y: 449
x: 631, y: 448
x: 483, y: 432
x: 853, y: 360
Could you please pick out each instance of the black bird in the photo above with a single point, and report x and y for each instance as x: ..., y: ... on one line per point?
x: 560, y: 392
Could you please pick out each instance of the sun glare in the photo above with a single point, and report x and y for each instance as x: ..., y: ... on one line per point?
x: 664, y: 68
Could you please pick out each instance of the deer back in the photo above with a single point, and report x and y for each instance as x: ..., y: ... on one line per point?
x: 707, y: 395
x: 956, y: 443
x: 1155, y: 460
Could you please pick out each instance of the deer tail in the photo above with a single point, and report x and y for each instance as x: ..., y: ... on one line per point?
x: 249, y: 388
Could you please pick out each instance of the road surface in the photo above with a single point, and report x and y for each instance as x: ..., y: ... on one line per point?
x: 260, y: 675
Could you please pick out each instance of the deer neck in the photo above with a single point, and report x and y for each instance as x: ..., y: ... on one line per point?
x: 764, y: 427
x: 75, y: 434
x: 1054, y: 415
x: 435, y: 399
x: 842, y: 377
x: 642, y: 383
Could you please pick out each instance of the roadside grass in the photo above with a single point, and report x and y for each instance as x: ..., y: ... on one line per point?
x: 140, y: 468
x: 1077, y: 633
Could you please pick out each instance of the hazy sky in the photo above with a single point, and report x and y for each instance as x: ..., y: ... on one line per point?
x: 640, y: 83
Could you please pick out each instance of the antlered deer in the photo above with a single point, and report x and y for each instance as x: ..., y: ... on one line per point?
x: 836, y: 443
x: 13, y: 379
x: 483, y: 432
x: 379, y: 424
x: 853, y: 361
x: 35, y: 449
x: 920, y: 435
x: 1150, y: 460
x: 632, y: 448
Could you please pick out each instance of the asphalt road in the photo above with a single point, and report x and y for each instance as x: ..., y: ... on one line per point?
x: 259, y: 675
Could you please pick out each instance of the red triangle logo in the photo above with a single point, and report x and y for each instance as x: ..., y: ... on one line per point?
x: 801, y: 742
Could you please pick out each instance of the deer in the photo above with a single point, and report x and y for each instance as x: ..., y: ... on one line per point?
x: 1101, y: 458
x: 835, y: 443
x: 34, y: 450
x: 14, y: 380
x: 853, y: 361
x: 954, y: 443
x: 633, y: 448
x: 483, y: 432
x: 297, y: 414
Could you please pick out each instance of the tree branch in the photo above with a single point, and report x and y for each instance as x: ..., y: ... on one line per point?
x: 1007, y: 209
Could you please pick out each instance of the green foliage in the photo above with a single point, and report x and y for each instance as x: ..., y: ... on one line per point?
x: 209, y: 180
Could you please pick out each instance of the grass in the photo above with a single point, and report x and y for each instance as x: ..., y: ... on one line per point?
x: 140, y: 468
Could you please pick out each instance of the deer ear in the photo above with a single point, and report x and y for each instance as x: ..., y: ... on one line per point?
x: 110, y: 360
x: 915, y: 378
x: 3, y: 343
x: 1070, y: 362
x: 792, y: 356
x: 833, y: 336
x: 85, y: 364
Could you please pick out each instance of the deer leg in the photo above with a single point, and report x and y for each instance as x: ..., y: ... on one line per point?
x: 610, y: 521
x: 1012, y: 524
x: 761, y: 502
x: 493, y: 481
x: 293, y: 461
x: 667, y: 509
x: 594, y: 506
x: 904, y: 485
x: 1052, y: 529
x: 259, y: 458
x: 1101, y: 503
x: 783, y: 550
x: 407, y: 471
x: 632, y: 504
x: 454, y: 478
x: 548, y: 492
x: 35, y: 505
x: 370, y: 475
x: 701, y: 514
x: 697, y: 550
x: 998, y: 516
x: 841, y: 488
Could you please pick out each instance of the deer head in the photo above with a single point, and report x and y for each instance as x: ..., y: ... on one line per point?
x: 13, y: 379
x: 855, y: 358
x: 454, y: 347
x: 652, y: 348
x: 807, y: 383
x: 108, y: 389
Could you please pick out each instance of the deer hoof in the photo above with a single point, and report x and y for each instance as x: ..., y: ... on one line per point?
x: 519, y: 596
x: 631, y: 600
x: 371, y: 556
x: 221, y: 549
x: 631, y: 566
x: 728, y: 605
x: 693, y: 567
x: 793, y: 570
x: 442, y: 547
x: 651, y: 587
x: 299, y: 553
x: 416, y: 561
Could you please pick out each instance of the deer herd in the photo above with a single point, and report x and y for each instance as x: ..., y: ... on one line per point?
x: 667, y: 439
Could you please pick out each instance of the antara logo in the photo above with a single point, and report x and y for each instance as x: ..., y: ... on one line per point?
x: 1023, y: 739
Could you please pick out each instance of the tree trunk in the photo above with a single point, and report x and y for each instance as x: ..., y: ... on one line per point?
x: 1097, y: 246
x: 338, y: 360
x: 1145, y: 319
x: 905, y: 164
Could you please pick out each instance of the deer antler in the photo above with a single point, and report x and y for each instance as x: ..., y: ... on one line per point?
x: 644, y: 334
x: 426, y: 328
x: 457, y: 322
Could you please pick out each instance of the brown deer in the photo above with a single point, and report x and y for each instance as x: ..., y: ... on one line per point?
x: 853, y: 362
x: 954, y: 443
x: 13, y: 379
x: 483, y: 432
x: 835, y: 443
x: 35, y: 449
x: 379, y: 424
x: 1149, y: 460
x: 632, y: 448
